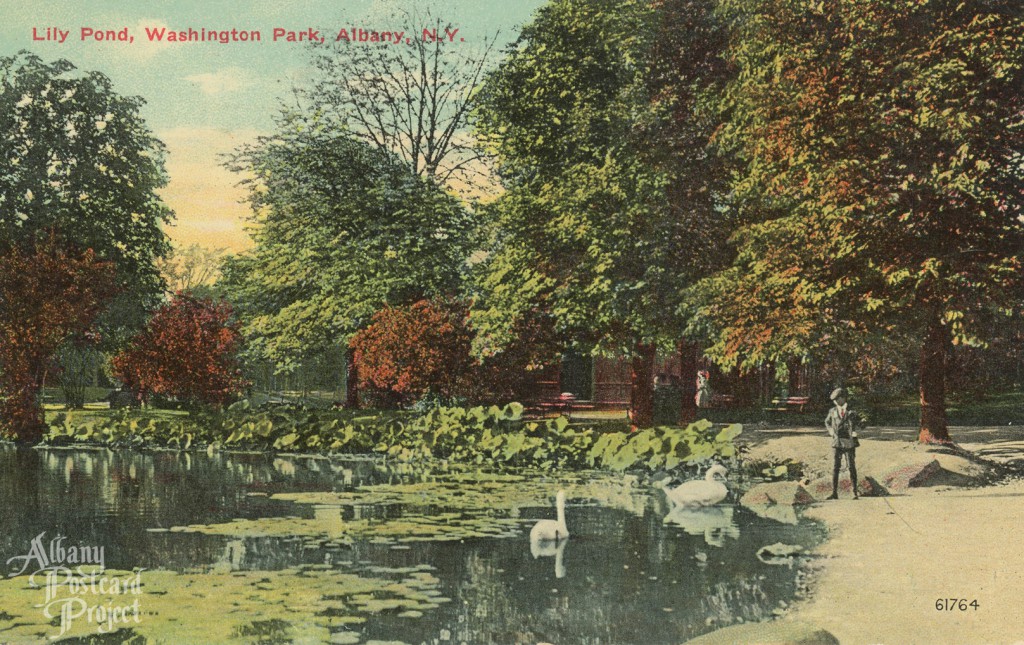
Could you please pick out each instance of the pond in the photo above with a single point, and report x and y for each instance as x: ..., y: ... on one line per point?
x: 272, y: 549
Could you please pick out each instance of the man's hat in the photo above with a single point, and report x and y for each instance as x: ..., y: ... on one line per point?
x: 838, y: 392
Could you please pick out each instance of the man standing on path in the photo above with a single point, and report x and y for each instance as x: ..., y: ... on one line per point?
x: 841, y: 424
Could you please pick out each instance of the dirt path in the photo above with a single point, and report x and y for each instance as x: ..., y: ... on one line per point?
x: 890, y: 559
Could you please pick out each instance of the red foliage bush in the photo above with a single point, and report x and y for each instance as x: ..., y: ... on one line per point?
x: 415, y: 349
x: 47, y: 294
x: 408, y: 352
x: 186, y: 351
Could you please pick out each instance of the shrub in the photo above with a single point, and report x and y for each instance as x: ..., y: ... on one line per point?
x: 187, y: 351
x: 410, y: 351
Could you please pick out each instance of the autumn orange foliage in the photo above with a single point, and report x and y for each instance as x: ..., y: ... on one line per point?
x: 48, y: 293
x: 409, y: 351
x: 187, y: 351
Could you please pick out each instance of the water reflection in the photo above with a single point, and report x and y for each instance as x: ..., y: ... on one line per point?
x: 234, y: 556
x: 714, y: 523
x: 783, y: 513
x: 634, y: 574
x: 549, y: 548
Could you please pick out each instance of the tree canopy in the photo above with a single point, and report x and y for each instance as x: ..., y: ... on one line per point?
x: 193, y: 268
x: 412, y: 101
x: 77, y: 158
x: 878, y: 174
x: 602, y: 217
x: 597, y: 120
x: 79, y: 213
x: 48, y: 294
x: 341, y: 229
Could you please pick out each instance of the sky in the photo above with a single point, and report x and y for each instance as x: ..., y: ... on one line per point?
x: 204, y: 99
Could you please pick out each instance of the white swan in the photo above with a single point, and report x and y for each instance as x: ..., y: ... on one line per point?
x: 552, y: 529
x: 699, y: 492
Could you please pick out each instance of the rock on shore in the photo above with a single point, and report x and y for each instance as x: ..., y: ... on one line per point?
x: 883, y: 467
x: 773, y: 633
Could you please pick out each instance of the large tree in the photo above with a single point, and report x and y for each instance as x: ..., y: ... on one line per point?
x: 596, y: 122
x: 879, y: 174
x: 48, y: 295
x: 79, y: 169
x: 77, y: 158
x: 341, y: 230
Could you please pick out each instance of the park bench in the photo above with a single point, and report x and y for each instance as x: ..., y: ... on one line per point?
x: 789, y: 404
x: 564, y: 403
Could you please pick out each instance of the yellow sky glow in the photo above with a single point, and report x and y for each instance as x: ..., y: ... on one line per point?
x: 203, y: 194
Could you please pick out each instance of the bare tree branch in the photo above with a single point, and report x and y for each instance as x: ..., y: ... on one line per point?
x: 188, y: 267
x: 412, y: 99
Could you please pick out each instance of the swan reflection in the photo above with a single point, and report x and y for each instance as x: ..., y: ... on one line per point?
x: 549, y: 537
x: 715, y: 523
x: 547, y: 548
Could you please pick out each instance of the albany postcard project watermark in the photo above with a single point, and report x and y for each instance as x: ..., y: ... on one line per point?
x: 76, y: 587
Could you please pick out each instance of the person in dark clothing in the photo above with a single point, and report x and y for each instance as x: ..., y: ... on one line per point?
x: 842, y: 424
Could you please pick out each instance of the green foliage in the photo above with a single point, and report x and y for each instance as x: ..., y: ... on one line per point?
x: 604, y: 218
x: 78, y: 159
x: 479, y: 435
x: 123, y: 429
x: 341, y: 230
x: 877, y: 148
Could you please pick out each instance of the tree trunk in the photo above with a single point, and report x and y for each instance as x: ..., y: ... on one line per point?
x: 641, y: 395
x: 22, y: 413
x: 73, y: 377
x: 744, y: 386
x: 793, y: 366
x: 932, y: 377
x: 688, y: 382
x: 766, y: 382
x: 351, y: 380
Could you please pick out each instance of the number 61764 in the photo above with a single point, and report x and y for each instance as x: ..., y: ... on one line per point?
x: 955, y: 604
